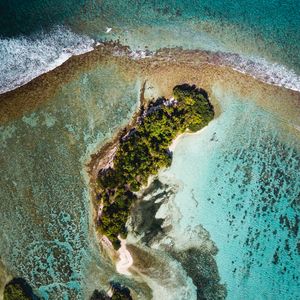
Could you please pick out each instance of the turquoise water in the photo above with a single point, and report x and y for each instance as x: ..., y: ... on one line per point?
x: 46, y: 229
x: 239, y: 179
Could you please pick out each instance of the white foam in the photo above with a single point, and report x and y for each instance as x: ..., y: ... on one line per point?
x: 133, y: 54
x: 141, y: 54
x: 260, y: 68
x: 24, y: 58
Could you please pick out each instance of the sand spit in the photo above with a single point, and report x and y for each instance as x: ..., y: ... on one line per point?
x: 125, y: 259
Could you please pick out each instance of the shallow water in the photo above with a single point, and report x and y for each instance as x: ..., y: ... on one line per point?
x: 239, y: 179
x: 46, y: 230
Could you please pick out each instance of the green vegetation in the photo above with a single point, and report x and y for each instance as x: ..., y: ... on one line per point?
x: 18, y: 289
x: 144, y: 150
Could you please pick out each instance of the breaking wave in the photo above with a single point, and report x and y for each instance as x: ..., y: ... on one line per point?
x: 24, y: 58
x: 260, y: 68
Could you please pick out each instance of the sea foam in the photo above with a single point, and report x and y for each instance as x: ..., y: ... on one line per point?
x: 24, y: 58
x: 262, y: 69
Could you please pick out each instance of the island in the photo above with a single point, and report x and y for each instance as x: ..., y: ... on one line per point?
x: 142, y: 150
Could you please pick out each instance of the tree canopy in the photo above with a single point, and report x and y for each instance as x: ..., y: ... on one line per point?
x: 144, y: 150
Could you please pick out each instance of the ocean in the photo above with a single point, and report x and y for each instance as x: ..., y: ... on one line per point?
x: 263, y: 34
x: 235, y: 203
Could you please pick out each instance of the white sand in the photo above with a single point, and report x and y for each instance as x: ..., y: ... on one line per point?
x: 179, y: 137
x: 175, y: 142
x: 125, y: 259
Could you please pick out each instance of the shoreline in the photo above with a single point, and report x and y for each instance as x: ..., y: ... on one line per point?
x: 189, y: 113
x: 126, y: 260
x: 184, y: 134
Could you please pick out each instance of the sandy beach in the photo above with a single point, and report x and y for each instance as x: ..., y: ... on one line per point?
x: 125, y: 259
